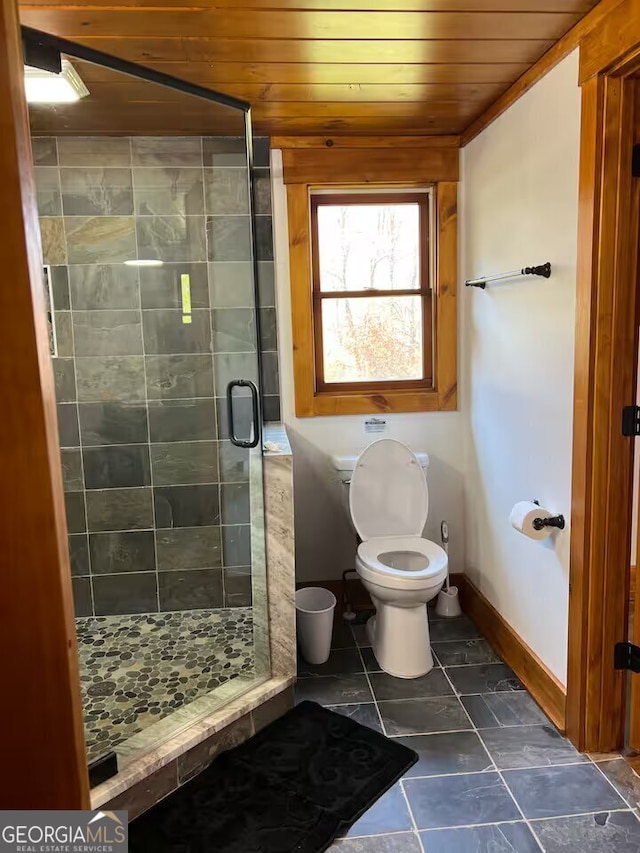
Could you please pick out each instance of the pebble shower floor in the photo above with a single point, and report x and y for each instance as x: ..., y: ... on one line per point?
x: 135, y: 670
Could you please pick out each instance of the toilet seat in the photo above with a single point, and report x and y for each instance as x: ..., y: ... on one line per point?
x: 376, y: 559
x: 388, y: 494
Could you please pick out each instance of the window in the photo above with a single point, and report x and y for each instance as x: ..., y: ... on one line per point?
x: 372, y: 296
x: 373, y: 265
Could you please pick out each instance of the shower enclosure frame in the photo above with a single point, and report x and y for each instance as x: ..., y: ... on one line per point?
x: 44, y: 47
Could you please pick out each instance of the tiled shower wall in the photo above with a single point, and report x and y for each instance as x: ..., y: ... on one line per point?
x: 157, y: 497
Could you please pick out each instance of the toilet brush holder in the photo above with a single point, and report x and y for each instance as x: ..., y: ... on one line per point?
x: 448, y: 603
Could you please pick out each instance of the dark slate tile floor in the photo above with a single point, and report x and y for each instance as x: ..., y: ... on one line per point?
x: 494, y: 775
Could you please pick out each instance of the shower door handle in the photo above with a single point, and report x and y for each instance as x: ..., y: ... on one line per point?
x: 255, y: 413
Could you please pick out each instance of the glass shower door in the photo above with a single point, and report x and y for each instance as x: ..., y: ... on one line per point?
x: 149, y: 239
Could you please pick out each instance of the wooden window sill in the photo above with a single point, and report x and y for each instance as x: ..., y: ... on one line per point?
x: 376, y: 403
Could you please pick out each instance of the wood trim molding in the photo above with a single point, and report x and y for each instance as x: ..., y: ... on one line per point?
x: 446, y: 302
x: 367, y: 404
x: 588, y: 241
x: 417, y: 166
x: 605, y: 380
x: 615, y: 40
x: 633, y: 731
x: 596, y: 18
x: 44, y: 759
x: 633, y: 728
x: 301, y: 298
x: 394, y: 142
x: 539, y: 681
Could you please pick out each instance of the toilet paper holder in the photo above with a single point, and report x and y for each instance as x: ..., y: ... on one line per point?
x: 554, y: 521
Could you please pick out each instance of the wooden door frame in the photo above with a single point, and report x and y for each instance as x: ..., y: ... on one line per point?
x: 605, y: 381
x: 44, y: 760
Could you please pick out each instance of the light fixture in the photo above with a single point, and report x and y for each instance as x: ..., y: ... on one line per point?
x: 144, y: 262
x: 45, y: 87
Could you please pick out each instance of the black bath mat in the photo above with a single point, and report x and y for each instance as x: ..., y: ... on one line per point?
x: 293, y: 787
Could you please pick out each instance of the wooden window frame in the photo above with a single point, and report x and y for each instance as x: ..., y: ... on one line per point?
x: 312, y: 399
x: 424, y: 290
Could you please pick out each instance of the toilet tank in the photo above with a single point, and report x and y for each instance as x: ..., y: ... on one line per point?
x: 345, y: 463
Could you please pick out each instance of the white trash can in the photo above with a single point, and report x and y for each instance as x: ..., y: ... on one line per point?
x: 314, y: 621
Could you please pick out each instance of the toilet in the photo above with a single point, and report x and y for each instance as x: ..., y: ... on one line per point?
x: 402, y: 571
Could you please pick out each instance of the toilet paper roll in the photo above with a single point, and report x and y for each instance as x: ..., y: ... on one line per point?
x: 522, y: 516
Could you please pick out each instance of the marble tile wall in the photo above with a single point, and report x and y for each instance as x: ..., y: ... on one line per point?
x: 157, y: 497
x: 276, y: 586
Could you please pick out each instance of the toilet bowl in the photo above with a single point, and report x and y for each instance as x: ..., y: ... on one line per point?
x: 402, y: 571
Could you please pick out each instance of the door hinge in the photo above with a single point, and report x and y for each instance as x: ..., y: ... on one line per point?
x: 635, y: 162
x: 631, y: 420
x: 626, y: 656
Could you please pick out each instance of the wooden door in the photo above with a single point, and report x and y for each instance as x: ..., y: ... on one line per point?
x: 633, y: 720
x: 633, y: 728
x: 43, y: 755
x: 605, y: 382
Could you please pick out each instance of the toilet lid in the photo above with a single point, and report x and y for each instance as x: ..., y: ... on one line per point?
x: 388, y: 494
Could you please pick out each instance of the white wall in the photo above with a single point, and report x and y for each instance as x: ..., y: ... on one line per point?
x: 325, y: 542
x: 520, y: 207
x: 511, y: 439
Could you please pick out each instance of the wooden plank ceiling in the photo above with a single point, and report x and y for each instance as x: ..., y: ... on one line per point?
x: 306, y: 66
